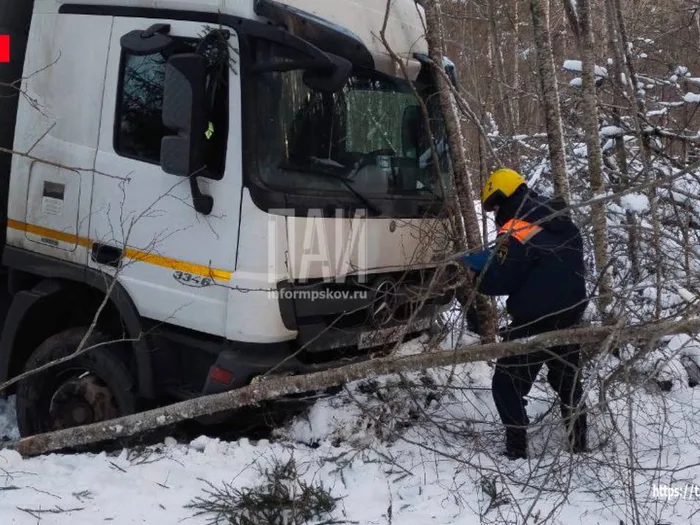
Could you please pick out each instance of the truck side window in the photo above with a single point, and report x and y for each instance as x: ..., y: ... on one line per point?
x: 139, y: 125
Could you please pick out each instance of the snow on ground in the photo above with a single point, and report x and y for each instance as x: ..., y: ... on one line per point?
x: 8, y: 421
x: 428, y: 454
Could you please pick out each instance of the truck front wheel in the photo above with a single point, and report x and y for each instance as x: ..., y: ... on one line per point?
x: 95, y: 386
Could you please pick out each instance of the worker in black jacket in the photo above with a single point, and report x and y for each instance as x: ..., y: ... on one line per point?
x: 537, y: 262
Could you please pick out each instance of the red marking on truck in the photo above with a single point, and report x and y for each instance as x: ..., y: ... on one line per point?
x: 4, y: 49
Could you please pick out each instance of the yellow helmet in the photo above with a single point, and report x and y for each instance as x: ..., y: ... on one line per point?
x: 501, y: 184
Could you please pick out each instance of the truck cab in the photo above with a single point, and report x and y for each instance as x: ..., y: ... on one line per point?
x: 205, y: 192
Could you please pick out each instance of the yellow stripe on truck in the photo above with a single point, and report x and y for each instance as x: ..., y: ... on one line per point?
x: 129, y: 253
x: 48, y: 233
x: 174, y: 264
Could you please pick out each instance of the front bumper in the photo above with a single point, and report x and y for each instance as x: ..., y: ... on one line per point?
x: 365, y: 311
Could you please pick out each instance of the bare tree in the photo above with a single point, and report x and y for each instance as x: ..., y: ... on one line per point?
x: 550, y: 96
x: 645, y: 147
x: 619, y: 86
x: 463, y: 182
x: 589, y: 119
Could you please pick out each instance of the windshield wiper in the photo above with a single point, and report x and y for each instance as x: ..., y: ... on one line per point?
x: 328, y: 170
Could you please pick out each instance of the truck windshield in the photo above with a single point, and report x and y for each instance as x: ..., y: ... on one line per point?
x: 371, y: 134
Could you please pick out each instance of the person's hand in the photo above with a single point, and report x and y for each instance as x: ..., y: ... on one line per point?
x: 470, y: 273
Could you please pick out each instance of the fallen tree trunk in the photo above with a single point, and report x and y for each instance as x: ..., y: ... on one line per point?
x: 275, y: 387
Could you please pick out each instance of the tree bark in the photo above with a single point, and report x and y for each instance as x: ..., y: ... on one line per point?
x: 589, y: 121
x: 550, y: 96
x: 462, y: 178
x: 572, y: 16
x: 453, y: 126
x: 515, y: 82
x: 505, y: 102
x: 619, y: 97
x: 646, y: 151
x: 275, y: 387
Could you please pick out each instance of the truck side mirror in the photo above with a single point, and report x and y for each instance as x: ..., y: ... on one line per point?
x: 184, y: 103
x: 183, y: 112
x: 153, y: 40
x: 329, y: 80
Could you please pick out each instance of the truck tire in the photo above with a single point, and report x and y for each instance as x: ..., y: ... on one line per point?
x: 95, y: 386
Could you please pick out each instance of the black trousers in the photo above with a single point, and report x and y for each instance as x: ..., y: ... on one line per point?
x: 515, y: 375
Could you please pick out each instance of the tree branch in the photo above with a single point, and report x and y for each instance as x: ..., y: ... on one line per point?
x: 280, y: 386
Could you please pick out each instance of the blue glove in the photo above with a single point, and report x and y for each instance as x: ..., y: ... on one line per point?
x: 476, y: 261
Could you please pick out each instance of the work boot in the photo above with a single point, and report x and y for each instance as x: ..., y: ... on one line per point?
x: 516, y: 443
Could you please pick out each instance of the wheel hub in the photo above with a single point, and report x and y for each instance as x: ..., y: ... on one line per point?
x: 80, y: 401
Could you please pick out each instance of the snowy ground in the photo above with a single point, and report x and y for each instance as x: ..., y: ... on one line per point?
x: 392, y: 455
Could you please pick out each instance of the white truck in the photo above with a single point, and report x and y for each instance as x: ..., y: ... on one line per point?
x: 236, y: 187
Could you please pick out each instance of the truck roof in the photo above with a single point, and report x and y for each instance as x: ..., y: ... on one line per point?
x: 364, y: 18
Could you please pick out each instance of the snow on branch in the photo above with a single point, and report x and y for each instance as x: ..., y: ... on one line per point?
x: 575, y: 66
x: 611, y: 131
x: 692, y: 98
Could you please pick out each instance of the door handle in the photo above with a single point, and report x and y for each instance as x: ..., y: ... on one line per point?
x: 106, y: 254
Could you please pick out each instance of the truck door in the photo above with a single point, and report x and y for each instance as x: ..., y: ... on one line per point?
x: 176, y: 262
